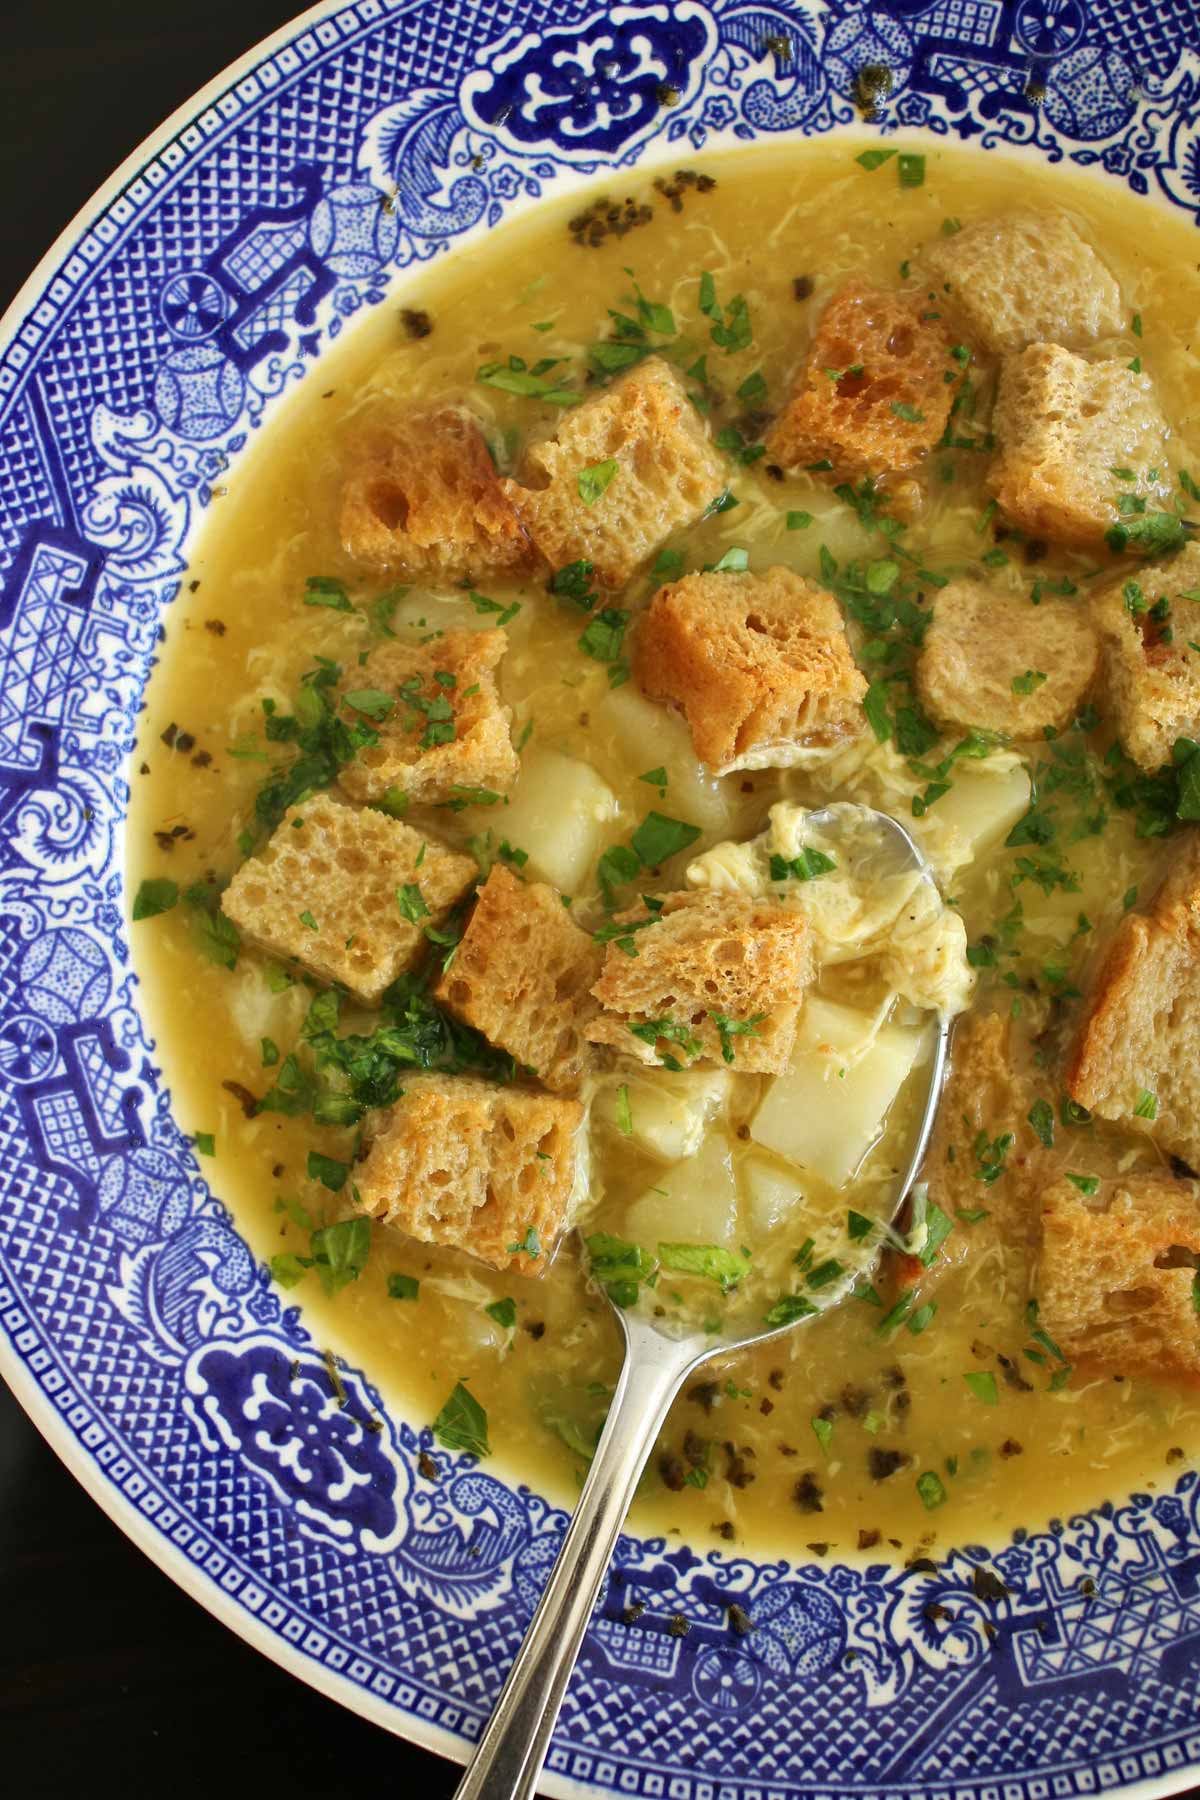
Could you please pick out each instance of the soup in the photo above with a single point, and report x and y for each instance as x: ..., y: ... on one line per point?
x: 932, y: 1403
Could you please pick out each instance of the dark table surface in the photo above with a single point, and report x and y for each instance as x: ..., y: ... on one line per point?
x: 108, y: 1674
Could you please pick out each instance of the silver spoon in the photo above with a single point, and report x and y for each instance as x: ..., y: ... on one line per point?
x: 508, y: 1758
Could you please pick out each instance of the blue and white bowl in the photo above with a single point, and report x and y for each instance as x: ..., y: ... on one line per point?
x: 143, y: 355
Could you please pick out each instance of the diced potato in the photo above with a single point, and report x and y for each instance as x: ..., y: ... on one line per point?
x: 984, y: 808
x: 694, y: 1202
x: 820, y: 1118
x: 664, y: 741
x: 779, y: 1198
x: 419, y: 613
x: 557, y: 812
x: 774, y: 1194
x: 668, y: 1113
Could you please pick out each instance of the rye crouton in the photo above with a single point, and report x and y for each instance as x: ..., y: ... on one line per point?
x: 1136, y: 1044
x: 1025, y: 278
x: 622, y: 472
x: 1151, y: 674
x: 759, y: 665
x: 474, y: 1166
x: 324, y: 891
x: 706, y: 961
x: 447, y: 728
x: 1062, y: 426
x: 1116, y: 1275
x: 521, y: 976
x: 989, y: 1094
x: 990, y: 659
x: 872, y: 395
x: 422, y: 498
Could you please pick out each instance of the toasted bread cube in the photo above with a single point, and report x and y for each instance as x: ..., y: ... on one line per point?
x: 705, y: 956
x: 872, y: 395
x: 1139, y: 1033
x: 1062, y: 425
x: 667, y: 472
x: 759, y: 665
x: 1116, y: 1274
x: 1151, y: 674
x: 324, y: 891
x: 475, y: 1166
x: 1025, y: 278
x: 521, y: 976
x: 826, y: 1110
x: 454, y: 676
x: 422, y: 498
x: 992, y: 660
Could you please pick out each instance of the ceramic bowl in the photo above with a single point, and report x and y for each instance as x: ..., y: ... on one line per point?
x: 162, y: 331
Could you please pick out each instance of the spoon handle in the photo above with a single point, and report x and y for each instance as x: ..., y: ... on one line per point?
x: 509, y: 1756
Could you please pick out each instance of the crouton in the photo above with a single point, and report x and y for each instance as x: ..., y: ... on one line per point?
x: 422, y: 498
x: 325, y: 891
x: 666, y: 472
x: 447, y: 728
x: 872, y: 395
x: 1151, y: 673
x: 759, y: 665
x: 1062, y: 426
x: 475, y: 1166
x: 1116, y: 1274
x: 1136, y: 1044
x: 703, y: 958
x: 521, y: 976
x: 992, y: 660
x: 989, y: 1094
x: 1024, y: 278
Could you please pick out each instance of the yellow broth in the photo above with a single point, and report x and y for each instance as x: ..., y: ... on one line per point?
x: 782, y: 231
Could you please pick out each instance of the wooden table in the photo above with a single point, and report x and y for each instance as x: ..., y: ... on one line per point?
x: 110, y: 1679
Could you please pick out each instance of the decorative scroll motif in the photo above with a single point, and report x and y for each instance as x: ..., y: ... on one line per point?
x: 360, y: 149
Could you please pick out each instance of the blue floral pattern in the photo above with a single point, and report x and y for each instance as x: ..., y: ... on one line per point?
x: 130, y: 1309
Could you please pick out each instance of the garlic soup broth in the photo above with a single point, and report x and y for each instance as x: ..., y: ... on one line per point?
x: 830, y: 1436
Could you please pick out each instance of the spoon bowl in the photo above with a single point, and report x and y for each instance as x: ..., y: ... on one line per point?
x: 508, y: 1759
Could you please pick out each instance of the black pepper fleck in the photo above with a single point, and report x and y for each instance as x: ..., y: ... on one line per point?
x: 808, y: 1493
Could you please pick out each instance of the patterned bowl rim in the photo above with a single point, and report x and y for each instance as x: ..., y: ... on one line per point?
x: 141, y: 1531
x: 192, y: 1578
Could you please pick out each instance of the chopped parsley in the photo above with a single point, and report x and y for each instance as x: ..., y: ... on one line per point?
x: 154, y: 896
x: 327, y: 1170
x: 411, y: 902
x: 982, y: 1384
x: 730, y: 325
x: 462, y: 1424
x: 504, y: 1312
x: 805, y: 867
x: 402, y: 1287
x: 1041, y: 1117
x: 593, y: 481
x: 728, y: 1029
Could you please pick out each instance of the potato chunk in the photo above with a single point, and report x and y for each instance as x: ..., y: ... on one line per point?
x: 831, y: 1105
